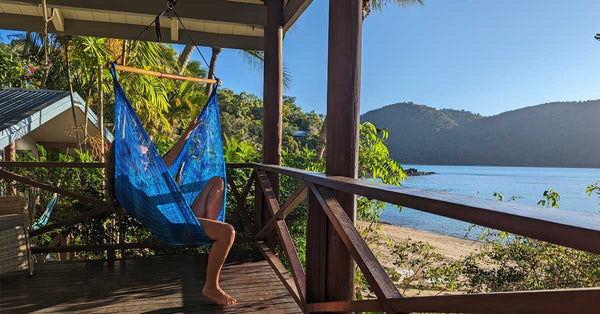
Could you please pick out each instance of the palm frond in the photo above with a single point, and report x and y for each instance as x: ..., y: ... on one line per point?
x: 256, y: 59
x: 378, y: 5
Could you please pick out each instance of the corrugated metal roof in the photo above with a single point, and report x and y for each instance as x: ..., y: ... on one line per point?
x: 24, y: 110
x: 17, y: 104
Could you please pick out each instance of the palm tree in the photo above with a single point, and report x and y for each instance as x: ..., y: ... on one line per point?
x: 368, y: 7
x: 184, y: 57
x: 377, y: 5
x: 211, y: 69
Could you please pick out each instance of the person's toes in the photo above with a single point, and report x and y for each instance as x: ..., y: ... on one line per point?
x: 218, y: 296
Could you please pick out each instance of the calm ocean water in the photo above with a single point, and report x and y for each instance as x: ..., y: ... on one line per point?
x: 527, y: 183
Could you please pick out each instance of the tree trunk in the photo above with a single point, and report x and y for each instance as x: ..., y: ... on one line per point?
x: 86, y: 114
x: 10, y: 154
x: 124, y: 52
x: 101, y: 113
x: 322, y: 141
x: 71, y: 92
x: 27, y: 44
x: 211, y: 69
x: 185, y: 56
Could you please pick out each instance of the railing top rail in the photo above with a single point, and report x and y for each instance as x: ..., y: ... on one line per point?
x: 50, y: 164
x: 564, y: 227
x: 581, y: 300
x: 56, y: 164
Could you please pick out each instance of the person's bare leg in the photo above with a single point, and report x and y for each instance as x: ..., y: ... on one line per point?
x: 214, y: 203
x: 207, y: 207
x: 208, y: 204
x: 223, y: 235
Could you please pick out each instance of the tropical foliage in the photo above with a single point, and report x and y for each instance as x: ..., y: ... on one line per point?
x: 506, y: 261
x: 378, y: 5
x: 510, y: 262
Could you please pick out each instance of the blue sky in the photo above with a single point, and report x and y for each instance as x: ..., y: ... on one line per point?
x: 483, y: 56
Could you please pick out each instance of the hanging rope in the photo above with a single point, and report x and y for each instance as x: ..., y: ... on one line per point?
x: 210, y: 72
x: 136, y: 39
x: 156, y: 22
x: 45, y: 32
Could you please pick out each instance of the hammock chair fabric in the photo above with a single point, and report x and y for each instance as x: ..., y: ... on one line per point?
x: 45, y: 217
x: 146, y: 188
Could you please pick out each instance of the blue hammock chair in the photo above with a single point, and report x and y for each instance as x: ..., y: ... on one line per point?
x: 45, y: 217
x: 146, y: 188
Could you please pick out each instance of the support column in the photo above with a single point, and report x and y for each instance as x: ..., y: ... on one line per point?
x: 10, y: 154
x: 272, y: 98
x: 343, y: 107
x: 273, y: 87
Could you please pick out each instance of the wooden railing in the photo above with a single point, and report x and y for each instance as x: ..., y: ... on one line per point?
x: 571, y: 229
x: 99, y: 207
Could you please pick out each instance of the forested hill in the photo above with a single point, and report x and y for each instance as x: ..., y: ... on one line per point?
x: 560, y: 134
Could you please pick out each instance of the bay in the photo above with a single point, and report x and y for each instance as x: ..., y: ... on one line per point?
x: 527, y: 184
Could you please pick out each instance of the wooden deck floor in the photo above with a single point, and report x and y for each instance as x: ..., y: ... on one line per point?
x: 169, y: 284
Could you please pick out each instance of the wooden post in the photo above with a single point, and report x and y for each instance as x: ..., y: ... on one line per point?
x: 10, y: 154
x: 258, y: 204
x: 316, y: 246
x: 110, y: 256
x: 273, y: 88
x: 343, y: 107
x: 272, y: 105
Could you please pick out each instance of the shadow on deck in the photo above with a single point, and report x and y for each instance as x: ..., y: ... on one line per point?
x: 166, y: 284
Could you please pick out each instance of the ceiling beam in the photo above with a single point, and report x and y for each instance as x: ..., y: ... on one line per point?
x: 174, y: 29
x: 58, y: 20
x: 209, y: 10
x: 128, y: 31
x: 292, y: 11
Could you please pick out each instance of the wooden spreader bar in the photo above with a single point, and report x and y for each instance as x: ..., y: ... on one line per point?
x: 125, y: 68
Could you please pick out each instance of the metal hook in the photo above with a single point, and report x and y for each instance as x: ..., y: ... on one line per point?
x: 171, y: 4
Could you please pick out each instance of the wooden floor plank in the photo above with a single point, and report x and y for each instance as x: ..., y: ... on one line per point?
x: 168, y: 284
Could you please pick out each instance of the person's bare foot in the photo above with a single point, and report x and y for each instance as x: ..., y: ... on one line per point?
x: 218, y: 296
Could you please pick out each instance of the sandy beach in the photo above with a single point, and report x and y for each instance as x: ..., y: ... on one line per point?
x: 452, y: 248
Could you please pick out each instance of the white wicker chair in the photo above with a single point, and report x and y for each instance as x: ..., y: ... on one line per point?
x: 15, y: 252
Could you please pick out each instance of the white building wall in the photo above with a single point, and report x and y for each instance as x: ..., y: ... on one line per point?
x: 26, y: 143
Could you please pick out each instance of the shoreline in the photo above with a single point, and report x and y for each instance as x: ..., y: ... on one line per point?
x: 387, y: 223
x: 453, y: 248
x: 505, y: 166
